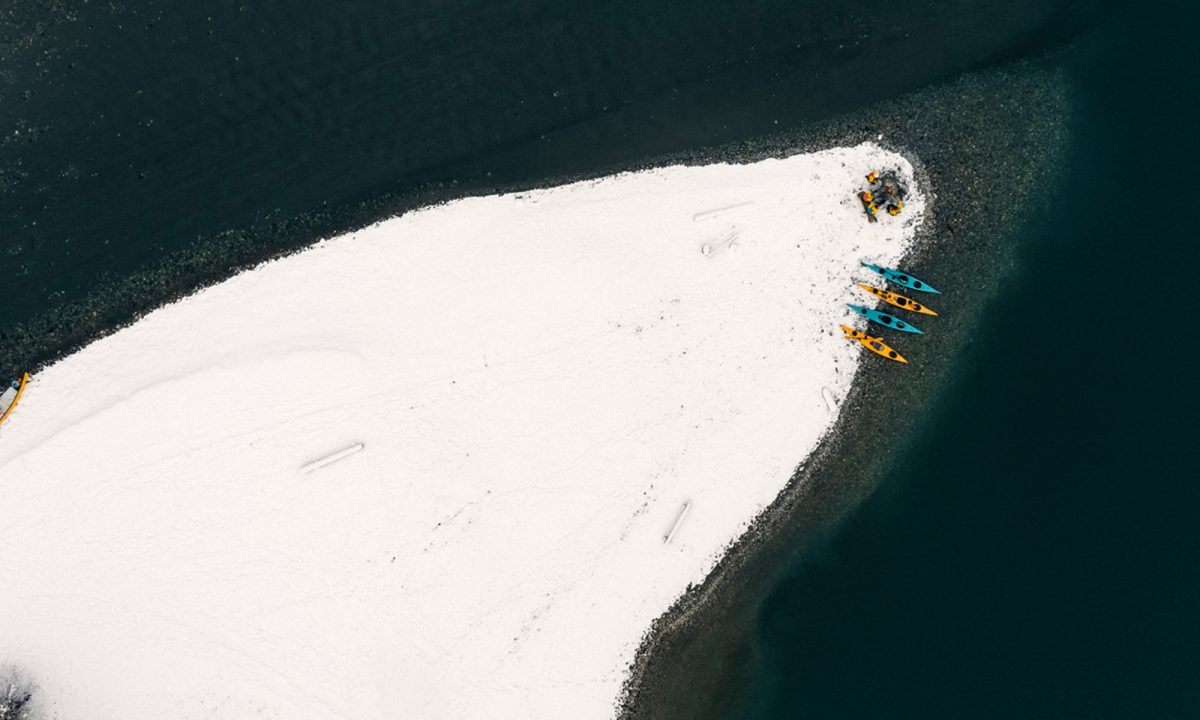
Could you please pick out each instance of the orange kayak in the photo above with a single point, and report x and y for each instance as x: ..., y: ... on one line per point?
x: 899, y: 301
x: 11, y: 396
x: 874, y: 344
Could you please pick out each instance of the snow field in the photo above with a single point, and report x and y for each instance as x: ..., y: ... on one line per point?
x: 539, y: 382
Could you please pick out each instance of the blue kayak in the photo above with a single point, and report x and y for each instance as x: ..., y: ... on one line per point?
x: 900, y: 278
x: 884, y: 319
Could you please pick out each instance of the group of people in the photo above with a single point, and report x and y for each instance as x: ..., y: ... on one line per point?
x: 886, y: 191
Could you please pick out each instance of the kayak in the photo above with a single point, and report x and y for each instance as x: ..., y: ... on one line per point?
x: 900, y: 278
x: 874, y: 344
x: 884, y: 319
x: 898, y: 300
x: 11, y: 396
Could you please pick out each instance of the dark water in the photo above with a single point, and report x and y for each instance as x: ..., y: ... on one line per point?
x: 1036, y: 552
x: 1033, y: 552
x: 136, y: 136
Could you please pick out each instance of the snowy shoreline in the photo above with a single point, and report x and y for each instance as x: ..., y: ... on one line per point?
x: 540, y: 383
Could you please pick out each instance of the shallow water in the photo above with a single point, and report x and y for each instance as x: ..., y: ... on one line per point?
x: 1033, y: 553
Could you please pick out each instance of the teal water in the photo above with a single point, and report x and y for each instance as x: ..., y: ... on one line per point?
x: 1034, y: 552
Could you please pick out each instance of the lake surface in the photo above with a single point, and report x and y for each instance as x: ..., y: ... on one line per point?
x: 149, y: 146
x: 1034, y: 552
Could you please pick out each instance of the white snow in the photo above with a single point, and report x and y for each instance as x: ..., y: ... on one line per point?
x: 539, y: 382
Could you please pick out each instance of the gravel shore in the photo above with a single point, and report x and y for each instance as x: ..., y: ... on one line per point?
x: 989, y: 151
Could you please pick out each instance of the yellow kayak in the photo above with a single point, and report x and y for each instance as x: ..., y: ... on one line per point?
x: 899, y: 301
x: 11, y: 396
x: 874, y: 344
